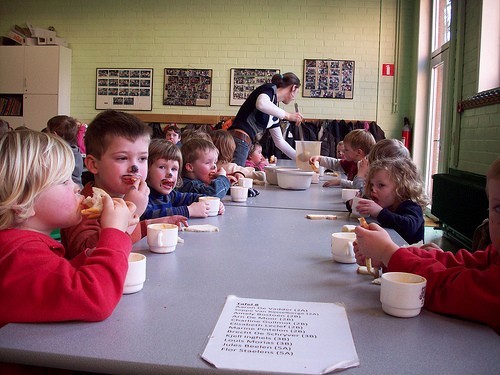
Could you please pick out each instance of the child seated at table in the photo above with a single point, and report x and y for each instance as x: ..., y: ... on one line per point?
x: 117, y: 156
x: 357, y: 144
x: 397, y: 197
x: 465, y: 285
x: 226, y: 145
x: 67, y: 128
x: 340, y: 150
x: 255, y: 158
x: 200, y: 173
x: 173, y: 134
x: 383, y: 149
x: 37, y: 284
x: 164, y: 163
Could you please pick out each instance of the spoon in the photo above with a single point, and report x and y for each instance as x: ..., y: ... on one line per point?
x: 304, y: 156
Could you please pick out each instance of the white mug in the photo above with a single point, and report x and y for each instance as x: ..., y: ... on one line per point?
x: 355, y: 202
x: 239, y: 193
x: 136, y: 274
x: 245, y: 182
x: 348, y: 194
x: 342, y: 247
x: 162, y: 238
x: 402, y: 294
x: 214, y: 203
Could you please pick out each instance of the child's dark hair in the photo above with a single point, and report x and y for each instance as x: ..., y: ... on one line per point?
x: 404, y: 173
x: 285, y: 80
x: 172, y: 128
x: 65, y: 127
x: 255, y: 145
x: 111, y: 124
x: 192, y: 149
x: 224, y: 142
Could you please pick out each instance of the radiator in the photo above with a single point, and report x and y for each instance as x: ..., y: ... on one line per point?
x: 459, y: 202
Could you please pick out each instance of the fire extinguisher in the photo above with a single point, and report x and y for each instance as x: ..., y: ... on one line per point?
x: 406, y: 133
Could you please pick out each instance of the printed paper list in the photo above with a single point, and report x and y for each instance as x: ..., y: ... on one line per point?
x: 267, y: 330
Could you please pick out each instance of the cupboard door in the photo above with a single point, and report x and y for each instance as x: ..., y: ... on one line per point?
x: 38, y: 109
x: 41, y: 69
x: 11, y: 69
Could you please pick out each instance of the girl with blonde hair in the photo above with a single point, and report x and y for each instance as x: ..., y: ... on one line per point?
x: 37, y: 195
x: 397, y: 197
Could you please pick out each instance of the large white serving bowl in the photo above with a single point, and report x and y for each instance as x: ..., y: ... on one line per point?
x: 271, y: 176
x: 294, y: 179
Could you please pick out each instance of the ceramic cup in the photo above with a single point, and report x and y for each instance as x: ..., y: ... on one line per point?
x: 162, y: 238
x: 136, y: 274
x: 342, y: 247
x: 239, y: 193
x: 402, y: 294
x: 214, y: 203
x: 245, y: 182
x: 348, y: 194
x: 355, y: 202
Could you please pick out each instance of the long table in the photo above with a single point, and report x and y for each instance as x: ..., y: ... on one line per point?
x: 265, y: 253
x: 315, y: 198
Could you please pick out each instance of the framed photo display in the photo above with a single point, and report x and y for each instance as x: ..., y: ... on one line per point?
x: 124, y: 89
x: 188, y: 87
x: 332, y: 79
x: 244, y: 81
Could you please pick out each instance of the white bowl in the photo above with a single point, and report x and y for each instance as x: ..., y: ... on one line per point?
x: 271, y: 176
x: 294, y: 179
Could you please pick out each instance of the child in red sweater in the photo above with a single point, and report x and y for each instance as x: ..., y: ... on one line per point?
x: 37, y: 284
x: 466, y: 285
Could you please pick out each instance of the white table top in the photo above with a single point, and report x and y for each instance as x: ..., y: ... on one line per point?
x: 258, y: 253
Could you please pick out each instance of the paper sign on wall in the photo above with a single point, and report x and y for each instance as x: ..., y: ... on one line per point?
x: 281, y: 336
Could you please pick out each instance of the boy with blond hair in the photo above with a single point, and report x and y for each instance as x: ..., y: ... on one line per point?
x: 117, y: 155
x: 357, y: 145
x: 200, y: 173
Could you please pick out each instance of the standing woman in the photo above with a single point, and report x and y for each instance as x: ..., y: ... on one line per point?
x: 260, y: 111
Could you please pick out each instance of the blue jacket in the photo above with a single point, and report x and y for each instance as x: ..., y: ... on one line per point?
x: 218, y: 188
x: 175, y: 203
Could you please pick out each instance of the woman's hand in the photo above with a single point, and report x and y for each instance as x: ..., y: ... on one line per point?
x: 294, y: 117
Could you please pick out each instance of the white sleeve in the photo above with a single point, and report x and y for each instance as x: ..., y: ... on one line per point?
x: 280, y: 142
x: 264, y: 104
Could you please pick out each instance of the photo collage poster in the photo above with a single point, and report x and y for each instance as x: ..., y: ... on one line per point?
x: 331, y: 79
x: 188, y: 87
x: 244, y: 81
x: 124, y: 89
